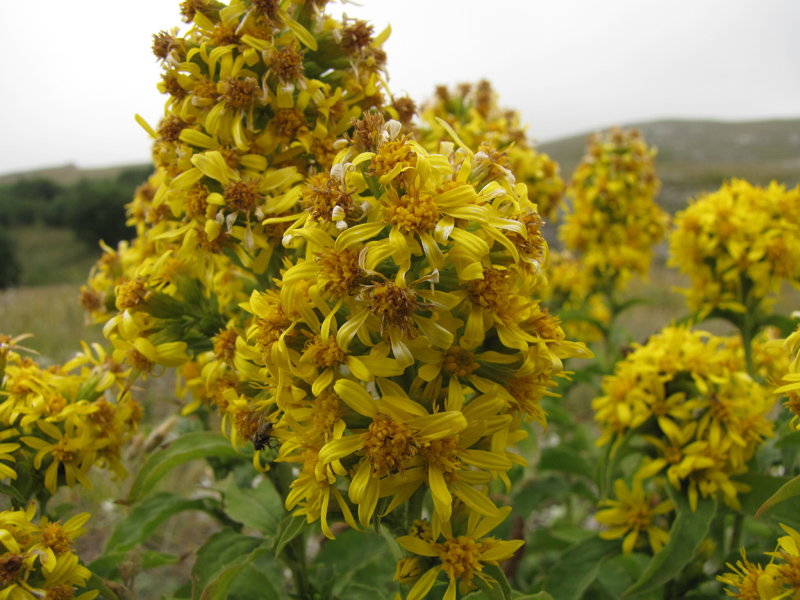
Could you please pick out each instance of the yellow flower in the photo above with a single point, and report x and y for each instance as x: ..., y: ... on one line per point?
x: 634, y: 512
x: 461, y: 557
x: 5, y: 470
x: 737, y: 245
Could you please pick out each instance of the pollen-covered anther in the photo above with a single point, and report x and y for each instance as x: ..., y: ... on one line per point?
x: 132, y: 293
x: 388, y: 444
x: 225, y: 345
x: 242, y: 195
x: 62, y: 452
x: 393, y: 154
x: 461, y: 557
x: 492, y: 291
x: 288, y: 121
x: 55, y: 538
x: 411, y: 213
x: 395, y: 306
x: 326, y: 353
x: 533, y: 246
x: 459, y: 362
x: 240, y: 93
x: 340, y: 271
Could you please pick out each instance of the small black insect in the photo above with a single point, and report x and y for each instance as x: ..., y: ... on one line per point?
x: 262, y: 436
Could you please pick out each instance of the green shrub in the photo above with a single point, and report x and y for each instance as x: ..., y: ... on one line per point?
x: 9, y: 265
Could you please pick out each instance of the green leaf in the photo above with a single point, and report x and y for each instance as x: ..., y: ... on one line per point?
x: 218, y: 562
x: 788, y: 490
x: 187, y: 447
x: 101, y: 585
x: 499, y: 577
x: 763, y: 489
x: 788, y: 439
x: 540, y: 596
x: 687, y: 533
x: 288, y: 529
x: 492, y: 591
x: 13, y: 493
x: 145, y: 518
x: 355, y: 557
x: 578, y: 567
x: 258, y: 508
x: 253, y: 582
x: 609, y: 461
x: 564, y: 460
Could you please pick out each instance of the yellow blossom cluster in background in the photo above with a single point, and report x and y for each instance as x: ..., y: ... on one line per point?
x: 613, y: 222
x: 472, y: 111
x: 791, y: 375
x: 778, y: 579
x: 36, y: 561
x: 67, y: 418
x: 688, y: 396
x: 738, y: 245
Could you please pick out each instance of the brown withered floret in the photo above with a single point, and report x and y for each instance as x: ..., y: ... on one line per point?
x: 92, y: 300
x: 356, y: 36
x: 240, y: 93
x: 287, y: 63
x: 214, y: 246
x: 322, y: 194
x: 242, y: 195
x: 170, y: 129
x: 406, y: 109
x: 483, y: 97
x: 163, y: 42
x: 267, y: 8
x: 367, y: 132
x: 172, y: 87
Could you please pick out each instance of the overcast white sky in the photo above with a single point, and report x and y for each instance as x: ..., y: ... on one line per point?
x: 76, y: 72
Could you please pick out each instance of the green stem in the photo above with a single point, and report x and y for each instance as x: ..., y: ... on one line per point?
x: 736, y: 538
x: 414, y: 510
x: 294, y: 555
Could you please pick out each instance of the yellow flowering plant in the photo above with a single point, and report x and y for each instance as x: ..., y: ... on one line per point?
x: 609, y: 234
x: 359, y: 311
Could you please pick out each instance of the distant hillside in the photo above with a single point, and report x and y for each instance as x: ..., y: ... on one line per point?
x: 693, y: 156
x: 67, y: 175
x: 696, y: 156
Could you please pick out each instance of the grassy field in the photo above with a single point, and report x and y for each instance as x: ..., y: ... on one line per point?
x: 50, y: 256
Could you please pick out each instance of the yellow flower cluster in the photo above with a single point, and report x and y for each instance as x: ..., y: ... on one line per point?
x: 688, y: 397
x: 326, y: 282
x: 403, y: 350
x: 738, y: 245
x: 791, y: 374
x: 71, y: 417
x: 572, y: 288
x: 614, y: 223
x: 779, y: 579
x: 472, y: 111
x: 36, y: 561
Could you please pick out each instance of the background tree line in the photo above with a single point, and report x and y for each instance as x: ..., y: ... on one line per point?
x: 92, y: 209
